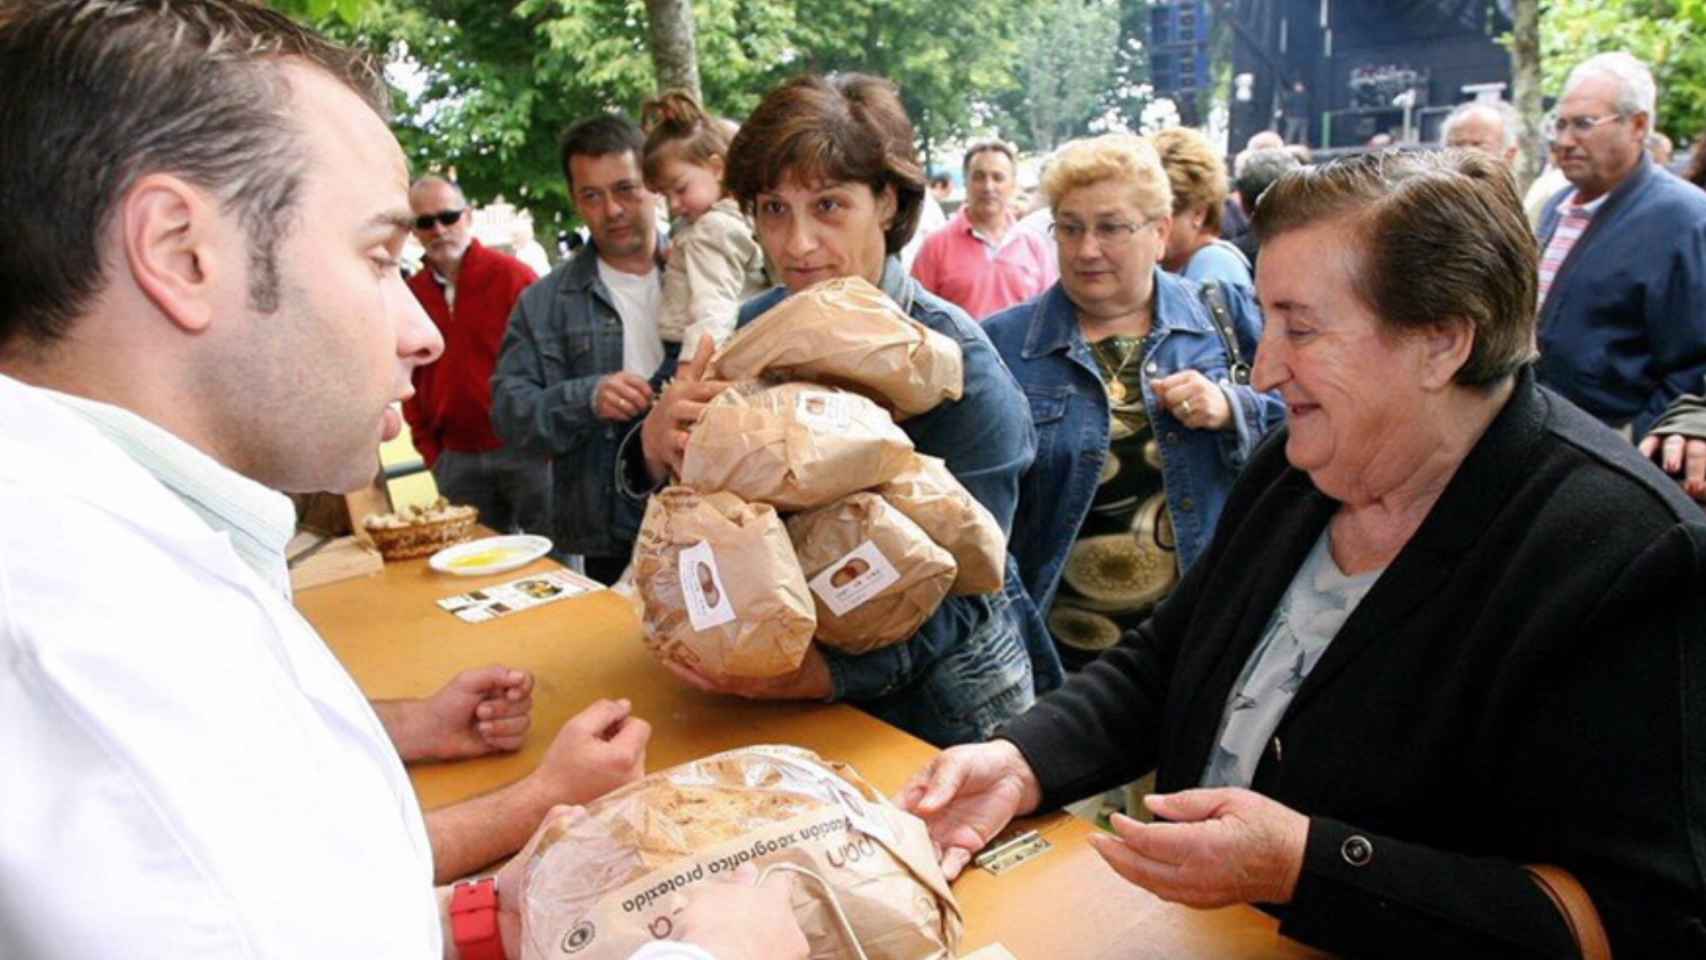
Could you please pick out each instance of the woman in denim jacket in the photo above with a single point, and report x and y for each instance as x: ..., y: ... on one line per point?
x: 827, y: 169
x: 1142, y: 423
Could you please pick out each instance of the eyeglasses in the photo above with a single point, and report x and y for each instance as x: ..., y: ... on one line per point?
x: 443, y: 218
x: 1581, y: 126
x: 1110, y: 235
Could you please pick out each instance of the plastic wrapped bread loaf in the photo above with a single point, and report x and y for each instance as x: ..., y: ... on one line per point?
x: 603, y: 882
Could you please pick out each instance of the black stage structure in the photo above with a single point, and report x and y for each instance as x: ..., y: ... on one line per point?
x: 1359, y: 62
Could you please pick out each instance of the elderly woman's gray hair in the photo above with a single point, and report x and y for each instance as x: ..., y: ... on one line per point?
x: 1501, y: 110
x: 1256, y: 170
x: 1636, y: 92
x: 1440, y: 235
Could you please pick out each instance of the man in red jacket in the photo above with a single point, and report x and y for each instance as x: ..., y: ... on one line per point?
x: 469, y: 291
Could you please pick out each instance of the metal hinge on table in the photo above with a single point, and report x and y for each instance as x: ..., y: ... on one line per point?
x: 1012, y: 852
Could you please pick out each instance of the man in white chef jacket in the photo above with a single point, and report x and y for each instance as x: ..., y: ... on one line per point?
x: 200, y: 305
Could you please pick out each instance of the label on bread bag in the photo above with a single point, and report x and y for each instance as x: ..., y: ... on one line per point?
x: 854, y: 579
x: 702, y: 587
x: 823, y: 410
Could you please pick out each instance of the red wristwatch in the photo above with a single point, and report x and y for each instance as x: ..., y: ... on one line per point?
x: 474, y: 920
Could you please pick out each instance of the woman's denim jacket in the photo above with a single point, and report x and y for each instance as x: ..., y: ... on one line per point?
x: 979, y: 660
x: 1042, y: 344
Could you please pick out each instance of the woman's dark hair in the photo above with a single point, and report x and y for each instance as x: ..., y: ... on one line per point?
x: 677, y: 128
x: 1437, y: 235
x: 850, y: 127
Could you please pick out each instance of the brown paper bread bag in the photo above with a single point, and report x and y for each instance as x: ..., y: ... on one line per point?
x: 794, y: 446
x: 876, y: 577
x: 847, y: 333
x: 931, y: 496
x: 602, y: 884
x: 722, y: 591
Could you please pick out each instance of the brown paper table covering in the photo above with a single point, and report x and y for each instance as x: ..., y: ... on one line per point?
x: 1064, y: 905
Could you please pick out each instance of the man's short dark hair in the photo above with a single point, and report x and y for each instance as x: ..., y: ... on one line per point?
x: 1256, y: 171
x: 101, y: 93
x: 600, y: 136
x: 990, y: 146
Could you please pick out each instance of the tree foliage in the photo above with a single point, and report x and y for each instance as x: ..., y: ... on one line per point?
x: 1065, y: 69
x: 486, y: 87
x: 1661, y: 33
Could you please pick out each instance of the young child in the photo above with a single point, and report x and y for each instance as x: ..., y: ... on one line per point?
x: 714, y: 262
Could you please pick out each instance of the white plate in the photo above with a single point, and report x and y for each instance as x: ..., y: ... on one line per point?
x: 480, y: 558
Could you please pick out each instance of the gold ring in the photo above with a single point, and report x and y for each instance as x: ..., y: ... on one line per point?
x: 1185, y: 408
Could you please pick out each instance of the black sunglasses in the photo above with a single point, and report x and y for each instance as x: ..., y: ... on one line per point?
x: 444, y: 217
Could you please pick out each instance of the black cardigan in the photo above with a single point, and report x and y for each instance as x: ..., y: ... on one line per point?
x: 1526, y: 683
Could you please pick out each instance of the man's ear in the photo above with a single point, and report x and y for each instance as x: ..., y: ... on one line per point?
x: 171, y: 233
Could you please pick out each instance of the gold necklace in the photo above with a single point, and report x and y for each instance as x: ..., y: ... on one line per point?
x: 1116, y: 386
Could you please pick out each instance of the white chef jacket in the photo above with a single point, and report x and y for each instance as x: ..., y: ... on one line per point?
x: 187, y: 770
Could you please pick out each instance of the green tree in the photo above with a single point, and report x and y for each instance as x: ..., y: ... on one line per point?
x: 1066, y: 66
x: 487, y: 86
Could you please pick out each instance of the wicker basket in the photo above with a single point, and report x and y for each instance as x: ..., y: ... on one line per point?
x: 423, y: 539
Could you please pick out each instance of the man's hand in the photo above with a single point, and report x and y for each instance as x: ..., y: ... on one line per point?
x: 967, y: 794
x: 597, y: 750
x: 622, y: 396
x: 480, y: 711
x: 1223, y: 846
x: 742, y: 919
x: 1194, y: 400
x: 810, y: 682
x: 663, y: 436
x: 1682, y: 457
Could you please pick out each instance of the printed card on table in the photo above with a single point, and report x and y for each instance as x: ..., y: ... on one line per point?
x: 490, y: 603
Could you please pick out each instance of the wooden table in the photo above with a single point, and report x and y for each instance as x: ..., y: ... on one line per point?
x: 1064, y: 905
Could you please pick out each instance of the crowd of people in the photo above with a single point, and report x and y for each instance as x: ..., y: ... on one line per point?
x: 1353, y: 504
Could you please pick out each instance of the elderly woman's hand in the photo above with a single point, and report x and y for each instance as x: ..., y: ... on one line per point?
x: 1682, y: 457
x: 1194, y: 400
x: 1223, y: 846
x: 968, y: 794
x: 663, y: 435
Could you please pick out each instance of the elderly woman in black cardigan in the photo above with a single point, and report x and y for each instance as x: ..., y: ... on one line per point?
x: 1449, y: 626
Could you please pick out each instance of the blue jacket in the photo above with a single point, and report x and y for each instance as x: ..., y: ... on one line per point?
x: 979, y: 660
x: 564, y: 336
x: 1623, y: 328
x: 1046, y: 350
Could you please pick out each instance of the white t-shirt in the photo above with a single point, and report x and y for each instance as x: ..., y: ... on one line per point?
x: 638, y: 299
x: 188, y: 770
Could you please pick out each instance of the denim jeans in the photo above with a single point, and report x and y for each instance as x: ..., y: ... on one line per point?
x: 510, y: 488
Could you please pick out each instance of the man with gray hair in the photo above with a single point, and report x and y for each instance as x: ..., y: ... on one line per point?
x: 1490, y: 126
x: 469, y: 289
x: 1623, y: 275
x: 1253, y: 172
